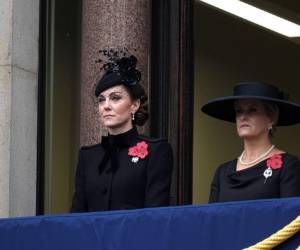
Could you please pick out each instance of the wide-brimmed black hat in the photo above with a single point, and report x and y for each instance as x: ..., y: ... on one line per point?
x: 223, y: 108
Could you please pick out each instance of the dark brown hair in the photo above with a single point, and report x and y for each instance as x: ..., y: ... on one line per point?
x: 136, y: 92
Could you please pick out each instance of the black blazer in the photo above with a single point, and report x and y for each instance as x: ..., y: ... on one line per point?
x: 107, y: 178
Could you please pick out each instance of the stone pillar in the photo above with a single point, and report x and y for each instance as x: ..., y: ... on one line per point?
x: 19, y: 30
x: 105, y: 24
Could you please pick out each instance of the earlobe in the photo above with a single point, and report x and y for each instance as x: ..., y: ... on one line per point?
x: 270, y: 126
x: 135, y: 105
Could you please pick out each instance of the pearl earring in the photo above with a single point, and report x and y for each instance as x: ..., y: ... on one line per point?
x: 270, y: 127
x: 132, y: 116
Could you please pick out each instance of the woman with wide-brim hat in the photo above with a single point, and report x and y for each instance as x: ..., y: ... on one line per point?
x: 262, y: 170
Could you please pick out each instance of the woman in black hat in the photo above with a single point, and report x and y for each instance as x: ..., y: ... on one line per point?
x: 126, y: 170
x: 262, y: 170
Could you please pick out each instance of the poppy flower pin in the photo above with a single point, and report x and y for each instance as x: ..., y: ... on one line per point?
x: 139, y: 151
x: 275, y: 162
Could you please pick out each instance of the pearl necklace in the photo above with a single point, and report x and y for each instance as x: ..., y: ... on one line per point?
x: 257, y: 159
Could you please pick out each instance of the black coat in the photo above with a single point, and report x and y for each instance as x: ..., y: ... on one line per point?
x: 107, y: 178
x: 251, y: 184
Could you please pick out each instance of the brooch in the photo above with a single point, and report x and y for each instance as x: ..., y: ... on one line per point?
x: 275, y: 162
x: 139, y: 151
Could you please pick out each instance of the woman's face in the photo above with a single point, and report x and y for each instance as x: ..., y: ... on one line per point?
x: 251, y: 119
x: 116, y: 108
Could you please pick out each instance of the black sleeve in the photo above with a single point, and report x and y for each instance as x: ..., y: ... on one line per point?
x: 79, y: 203
x: 159, y: 173
x: 215, y: 187
x: 290, y: 179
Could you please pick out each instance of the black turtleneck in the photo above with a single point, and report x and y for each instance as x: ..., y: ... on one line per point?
x: 112, y: 144
x: 121, y: 140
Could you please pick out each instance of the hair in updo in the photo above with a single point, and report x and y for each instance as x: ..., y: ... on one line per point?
x: 272, y: 112
x: 136, y: 92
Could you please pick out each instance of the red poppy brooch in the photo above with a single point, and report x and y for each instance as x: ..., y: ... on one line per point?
x: 139, y: 151
x: 275, y: 162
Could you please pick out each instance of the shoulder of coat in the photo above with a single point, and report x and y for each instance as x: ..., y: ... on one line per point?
x: 151, y: 139
x: 90, y: 146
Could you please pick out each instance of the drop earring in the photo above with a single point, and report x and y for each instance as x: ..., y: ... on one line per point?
x: 132, y: 116
x: 270, y: 127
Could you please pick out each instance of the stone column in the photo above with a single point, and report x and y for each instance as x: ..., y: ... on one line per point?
x: 105, y: 24
x: 19, y: 30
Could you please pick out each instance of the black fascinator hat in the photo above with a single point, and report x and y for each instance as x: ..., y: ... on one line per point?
x: 223, y: 108
x: 120, y: 68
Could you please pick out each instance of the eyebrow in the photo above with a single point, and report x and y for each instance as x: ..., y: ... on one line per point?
x: 112, y: 93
